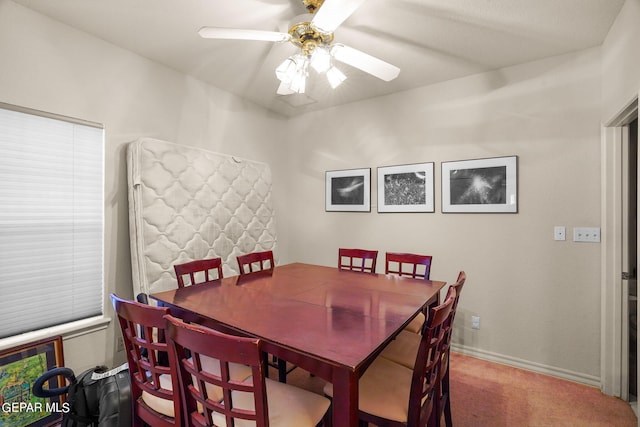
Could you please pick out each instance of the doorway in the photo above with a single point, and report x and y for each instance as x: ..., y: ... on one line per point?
x: 619, y: 355
x: 631, y: 276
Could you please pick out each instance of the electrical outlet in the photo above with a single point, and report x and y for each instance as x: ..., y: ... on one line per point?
x: 120, y: 344
x: 475, y: 322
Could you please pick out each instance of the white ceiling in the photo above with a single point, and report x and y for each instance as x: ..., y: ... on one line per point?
x: 430, y: 40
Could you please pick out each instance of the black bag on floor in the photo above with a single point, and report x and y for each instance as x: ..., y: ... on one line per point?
x: 96, y: 398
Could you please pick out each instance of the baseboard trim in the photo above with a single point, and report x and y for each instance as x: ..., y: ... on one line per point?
x: 528, y: 365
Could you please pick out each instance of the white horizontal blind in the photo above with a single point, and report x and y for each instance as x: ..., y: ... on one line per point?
x: 51, y: 221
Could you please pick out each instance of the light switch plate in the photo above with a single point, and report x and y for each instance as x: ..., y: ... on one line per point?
x: 586, y: 234
x: 559, y: 233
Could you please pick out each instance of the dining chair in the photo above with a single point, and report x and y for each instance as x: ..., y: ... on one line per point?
x: 255, y: 261
x: 152, y: 396
x: 409, y: 265
x: 404, y: 348
x: 405, y: 264
x: 255, y: 401
x: 444, y: 399
x: 362, y: 260
x: 207, y: 269
x: 393, y: 395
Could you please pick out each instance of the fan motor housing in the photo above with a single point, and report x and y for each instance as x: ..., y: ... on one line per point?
x: 306, y: 37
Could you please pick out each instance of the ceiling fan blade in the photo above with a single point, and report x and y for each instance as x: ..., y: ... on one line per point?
x: 365, y: 62
x: 332, y: 13
x: 241, y: 34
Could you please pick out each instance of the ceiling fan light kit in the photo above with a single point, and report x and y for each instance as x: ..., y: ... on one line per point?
x: 315, y: 40
x: 292, y: 74
x: 315, y: 51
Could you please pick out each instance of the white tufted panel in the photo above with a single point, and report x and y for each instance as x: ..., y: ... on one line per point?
x: 186, y: 204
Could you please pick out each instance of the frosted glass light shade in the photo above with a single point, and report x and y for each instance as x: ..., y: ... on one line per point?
x: 286, y: 70
x: 321, y: 59
x: 335, y: 77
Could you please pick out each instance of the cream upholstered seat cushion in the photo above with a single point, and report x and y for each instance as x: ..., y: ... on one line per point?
x: 383, y: 390
x: 158, y: 404
x: 289, y: 406
x: 238, y: 372
x: 416, y: 324
x: 403, y: 349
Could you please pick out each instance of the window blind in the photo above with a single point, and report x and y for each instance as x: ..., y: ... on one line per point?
x: 51, y: 220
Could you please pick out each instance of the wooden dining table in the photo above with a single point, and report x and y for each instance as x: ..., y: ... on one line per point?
x: 330, y: 322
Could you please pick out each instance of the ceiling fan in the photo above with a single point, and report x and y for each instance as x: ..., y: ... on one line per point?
x: 315, y: 39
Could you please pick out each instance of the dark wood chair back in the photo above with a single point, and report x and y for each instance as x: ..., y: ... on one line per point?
x: 142, y: 329
x: 455, y: 289
x: 443, y: 403
x: 462, y: 278
x: 362, y: 260
x: 207, y: 269
x: 424, y: 384
x: 198, y: 341
x: 256, y: 261
x: 411, y: 265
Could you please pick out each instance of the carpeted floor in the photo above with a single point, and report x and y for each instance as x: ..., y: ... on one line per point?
x: 489, y: 394
x: 493, y: 395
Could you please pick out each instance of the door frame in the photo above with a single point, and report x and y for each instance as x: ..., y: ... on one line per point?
x: 626, y: 260
x: 614, y: 136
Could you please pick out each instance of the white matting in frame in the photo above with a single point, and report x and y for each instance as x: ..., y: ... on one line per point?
x: 406, y: 188
x: 482, y: 185
x: 348, y: 190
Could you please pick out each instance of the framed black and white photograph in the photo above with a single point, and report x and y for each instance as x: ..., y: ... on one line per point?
x: 348, y: 190
x: 406, y: 188
x: 482, y: 185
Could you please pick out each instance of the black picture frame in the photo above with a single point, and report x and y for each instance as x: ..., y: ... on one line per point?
x: 406, y: 188
x: 348, y: 190
x: 480, y: 186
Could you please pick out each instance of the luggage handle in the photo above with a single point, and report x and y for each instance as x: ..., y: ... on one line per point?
x: 51, y: 392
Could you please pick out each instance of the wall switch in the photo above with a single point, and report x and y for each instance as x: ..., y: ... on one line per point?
x: 475, y: 322
x: 586, y: 234
x: 559, y: 233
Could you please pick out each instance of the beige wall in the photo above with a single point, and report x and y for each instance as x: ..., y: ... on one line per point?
x: 538, y: 299
x: 52, y: 67
x: 621, y: 62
